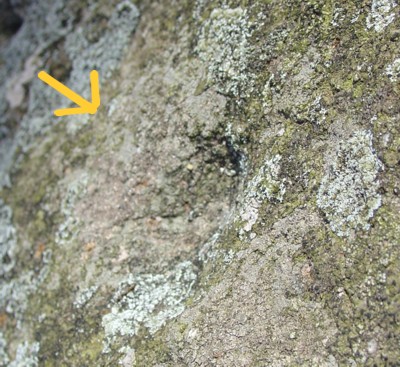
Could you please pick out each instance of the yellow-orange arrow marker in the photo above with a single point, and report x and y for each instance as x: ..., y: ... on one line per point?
x: 84, y: 105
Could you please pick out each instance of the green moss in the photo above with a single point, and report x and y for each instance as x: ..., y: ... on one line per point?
x: 151, y: 351
x: 201, y: 86
x: 32, y: 182
x: 358, y: 91
x: 347, y: 84
x: 327, y: 15
x: 92, y: 348
x: 182, y: 327
x: 39, y: 223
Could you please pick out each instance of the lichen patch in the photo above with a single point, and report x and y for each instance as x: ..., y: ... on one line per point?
x: 7, y: 239
x: 381, y: 15
x: 393, y: 70
x: 265, y: 185
x: 223, y: 45
x: 26, y: 354
x: 348, y: 194
x: 151, y: 301
x: 74, y: 190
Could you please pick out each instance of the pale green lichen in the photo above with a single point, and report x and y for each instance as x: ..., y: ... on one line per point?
x: 265, y: 185
x: 4, y: 359
x: 85, y: 53
x: 14, y: 292
x: 6, y: 158
x: 25, y: 356
x: 317, y: 111
x: 210, y: 252
x: 85, y: 296
x: 75, y: 189
x: 7, y: 239
x: 128, y: 360
x: 381, y: 15
x: 151, y: 301
x: 223, y: 45
x: 338, y: 17
x: 105, y: 54
x: 348, y: 194
x: 393, y: 70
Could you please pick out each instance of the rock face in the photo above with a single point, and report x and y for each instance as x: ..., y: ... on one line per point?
x: 234, y: 201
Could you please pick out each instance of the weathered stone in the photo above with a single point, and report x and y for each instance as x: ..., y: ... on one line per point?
x: 234, y: 201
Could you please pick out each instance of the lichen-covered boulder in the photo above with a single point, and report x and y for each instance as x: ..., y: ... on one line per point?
x: 233, y: 202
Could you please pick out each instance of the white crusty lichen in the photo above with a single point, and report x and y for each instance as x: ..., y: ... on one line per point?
x: 348, y: 194
x: 15, y: 291
x: 105, y: 54
x: 75, y: 190
x: 381, y: 14
x: 26, y: 355
x: 14, y: 294
x: 223, y: 45
x: 147, y: 300
x: 128, y: 360
x: 4, y: 360
x: 338, y: 17
x: 7, y: 239
x: 317, y: 111
x: 393, y: 70
x: 49, y: 22
x: 85, y: 296
x: 6, y: 156
x: 265, y: 185
x: 209, y: 252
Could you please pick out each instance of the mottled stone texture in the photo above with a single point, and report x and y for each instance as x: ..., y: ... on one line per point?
x: 235, y: 200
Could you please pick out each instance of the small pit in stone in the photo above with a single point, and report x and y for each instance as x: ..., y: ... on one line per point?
x: 162, y: 205
x: 158, y: 191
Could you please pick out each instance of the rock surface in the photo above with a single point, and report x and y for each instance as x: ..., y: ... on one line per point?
x: 234, y: 201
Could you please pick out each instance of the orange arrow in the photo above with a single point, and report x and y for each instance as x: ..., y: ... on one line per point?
x: 84, y: 105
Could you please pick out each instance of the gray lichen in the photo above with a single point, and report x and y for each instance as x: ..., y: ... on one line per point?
x: 393, y: 70
x: 381, y: 15
x: 24, y: 56
x: 26, y: 355
x: 265, y: 185
x: 6, y: 159
x: 4, y: 359
x: 105, y: 54
x: 348, y: 194
x: 7, y: 239
x: 74, y: 190
x: 14, y: 294
x: 223, y: 45
x: 153, y: 300
x: 85, y: 296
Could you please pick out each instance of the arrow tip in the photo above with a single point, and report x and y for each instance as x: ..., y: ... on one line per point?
x: 92, y: 109
x: 41, y: 74
x: 84, y: 105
